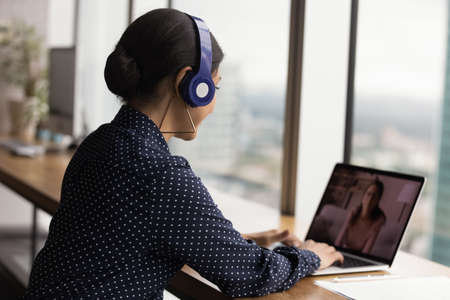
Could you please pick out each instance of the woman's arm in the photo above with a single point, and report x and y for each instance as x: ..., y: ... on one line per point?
x: 269, y: 237
x: 191, y: 229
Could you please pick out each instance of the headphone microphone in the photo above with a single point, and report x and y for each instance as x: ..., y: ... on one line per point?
x: 197, y: 88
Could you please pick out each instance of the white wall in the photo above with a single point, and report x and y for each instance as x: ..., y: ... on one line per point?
x: 323, y: 101
x: 61, y: 21
x: 33, y: 12
x: 15, y: 210
x: 141, y: 7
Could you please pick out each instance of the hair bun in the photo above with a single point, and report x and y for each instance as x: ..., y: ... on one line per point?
x: 122, y: 73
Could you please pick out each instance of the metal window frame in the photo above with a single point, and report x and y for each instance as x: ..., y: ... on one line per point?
x: 292, y: 108
x: 130, y: 11
x: 351, y: 81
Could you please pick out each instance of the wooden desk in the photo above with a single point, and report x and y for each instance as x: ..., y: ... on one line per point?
x: 39, y: 181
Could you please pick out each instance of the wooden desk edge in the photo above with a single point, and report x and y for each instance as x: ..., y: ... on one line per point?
x: 30, y: 193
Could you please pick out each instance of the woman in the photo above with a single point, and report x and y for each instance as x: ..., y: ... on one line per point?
x: 363, y: 223
x: 132, y: 214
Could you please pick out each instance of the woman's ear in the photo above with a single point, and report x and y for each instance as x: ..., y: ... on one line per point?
x: 180, y: 75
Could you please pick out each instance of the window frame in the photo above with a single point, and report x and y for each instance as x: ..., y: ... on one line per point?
x: 351, y: 81
x: 292, y: 108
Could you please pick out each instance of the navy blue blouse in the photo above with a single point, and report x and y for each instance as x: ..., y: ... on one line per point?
x: 132, y: 214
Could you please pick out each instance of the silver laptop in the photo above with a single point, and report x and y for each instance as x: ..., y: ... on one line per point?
x: 363, y: 214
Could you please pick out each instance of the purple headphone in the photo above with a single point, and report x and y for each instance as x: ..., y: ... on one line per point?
x: 197, y: 88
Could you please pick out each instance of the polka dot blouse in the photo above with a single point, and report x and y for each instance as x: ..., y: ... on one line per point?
x: 132, y: 214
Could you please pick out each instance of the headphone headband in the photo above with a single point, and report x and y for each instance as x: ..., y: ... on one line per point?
x: 197, y: 88
x: 205, y: 45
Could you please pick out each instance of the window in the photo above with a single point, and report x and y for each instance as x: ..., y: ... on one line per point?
x: 238, y: 150
x: 400, y: 64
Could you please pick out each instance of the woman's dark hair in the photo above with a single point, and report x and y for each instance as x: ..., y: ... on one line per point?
x: 377, y: 211
x: 379, y: 186
x: 157, y: 44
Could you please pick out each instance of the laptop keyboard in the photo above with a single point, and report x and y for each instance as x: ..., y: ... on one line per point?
x: 351, y: 262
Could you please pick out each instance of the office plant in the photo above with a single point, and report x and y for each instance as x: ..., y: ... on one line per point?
x: 22, y: 66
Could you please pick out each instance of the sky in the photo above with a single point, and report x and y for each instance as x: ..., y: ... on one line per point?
x: 401, y: 48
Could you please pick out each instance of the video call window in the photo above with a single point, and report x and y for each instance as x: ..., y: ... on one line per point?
x: 364, y: 212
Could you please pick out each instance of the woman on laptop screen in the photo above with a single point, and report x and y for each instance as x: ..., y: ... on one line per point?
x: 363, y: 223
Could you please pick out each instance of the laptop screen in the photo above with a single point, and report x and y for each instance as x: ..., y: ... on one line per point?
x: 365, y: 211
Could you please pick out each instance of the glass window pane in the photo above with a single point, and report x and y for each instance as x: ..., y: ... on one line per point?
x: 239, y: 146
x: 400, y: 66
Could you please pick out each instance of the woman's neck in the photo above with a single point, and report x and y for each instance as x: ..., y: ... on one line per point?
x: 155, y: 112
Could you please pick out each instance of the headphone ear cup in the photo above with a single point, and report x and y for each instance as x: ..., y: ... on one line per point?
x: 183, y: 87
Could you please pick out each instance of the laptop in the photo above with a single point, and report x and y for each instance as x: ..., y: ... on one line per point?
x: 363, y: 214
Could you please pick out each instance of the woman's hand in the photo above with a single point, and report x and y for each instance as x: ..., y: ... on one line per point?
x: 267, y: 238
x: 327, y: 254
